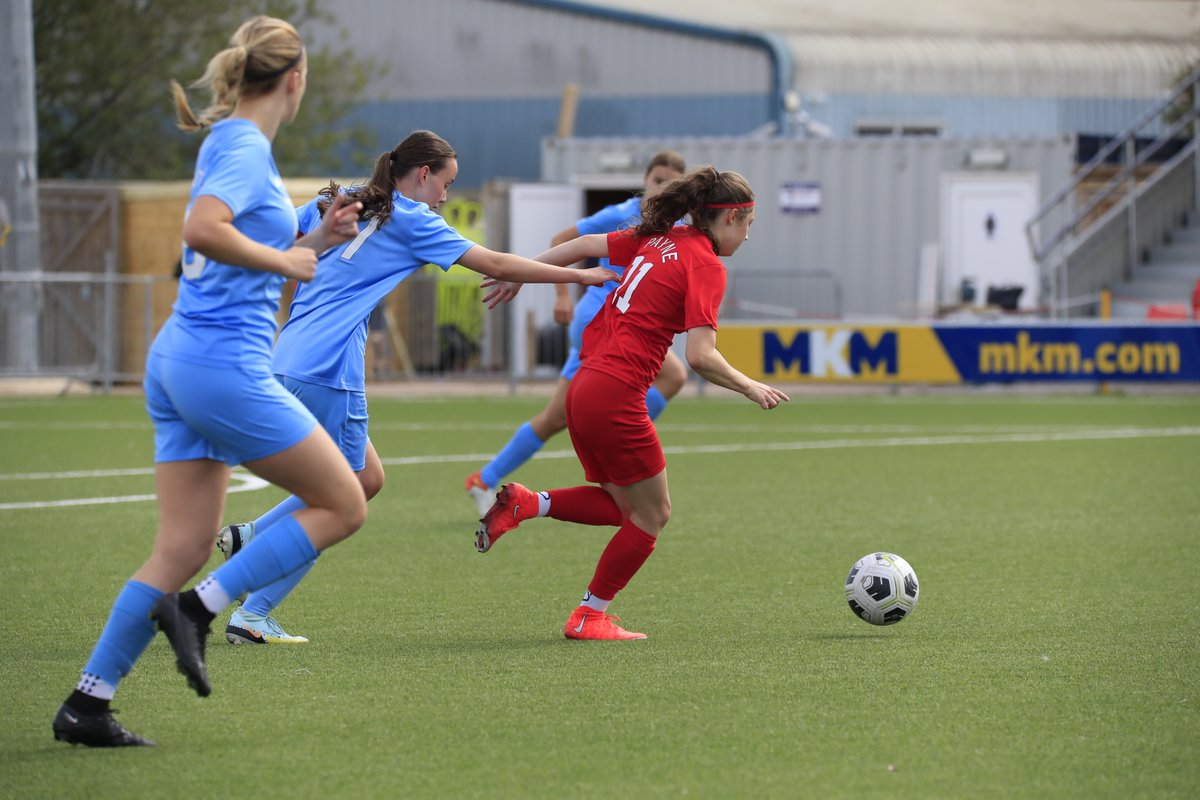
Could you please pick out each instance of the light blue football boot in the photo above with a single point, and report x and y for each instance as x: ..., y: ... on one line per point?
x: 232, y: 538
x: 247, y: 628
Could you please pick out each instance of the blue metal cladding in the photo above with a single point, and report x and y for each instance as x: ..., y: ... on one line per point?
x: 502, y: 138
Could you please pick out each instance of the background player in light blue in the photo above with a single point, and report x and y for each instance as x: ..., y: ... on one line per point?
x: 321, y: 350
x: 209, y: 387
x: 529, y: 438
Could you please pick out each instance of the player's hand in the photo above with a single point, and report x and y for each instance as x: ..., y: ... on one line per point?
x: 595, y: 276
x: 767, y: 397
x: 299, y: 262
x: 499, y: 291
x: 340, y: 223
x: 564, y: 309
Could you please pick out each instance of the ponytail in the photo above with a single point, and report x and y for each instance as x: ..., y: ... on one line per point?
x: 261, y: 51
x: 419, y: 149
x: 703, y: 195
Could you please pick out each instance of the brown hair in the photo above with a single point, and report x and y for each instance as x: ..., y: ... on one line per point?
x: 419, y: 149
x: 669, y: 159
x: 689, y: 195
x: 261, y: 51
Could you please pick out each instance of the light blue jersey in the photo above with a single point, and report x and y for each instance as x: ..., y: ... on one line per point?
x: 209, y: 386
x: 224, y: 313
x: 620, y: 216
x: 325, y: 338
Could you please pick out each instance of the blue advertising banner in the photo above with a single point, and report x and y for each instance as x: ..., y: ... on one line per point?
x: 1075, y: 352
x: 964, y: 353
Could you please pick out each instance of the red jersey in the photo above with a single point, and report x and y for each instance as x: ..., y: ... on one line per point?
x: 673, y: 282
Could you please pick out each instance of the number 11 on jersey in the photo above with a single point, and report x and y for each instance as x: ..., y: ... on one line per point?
x: 633, y: 276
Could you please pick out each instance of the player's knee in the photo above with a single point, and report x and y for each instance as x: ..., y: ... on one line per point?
x: 356, y: 516
x: 549, y: 423
x: 656, y: 517
x: 665, y: 513
x: 187, y: 556
x: 351, y: 513
x: 372, y: 481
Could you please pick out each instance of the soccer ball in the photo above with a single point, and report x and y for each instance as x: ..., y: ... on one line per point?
x: 882, y: 588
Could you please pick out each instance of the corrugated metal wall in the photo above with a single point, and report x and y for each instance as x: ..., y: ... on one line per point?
x: 471, y: 49
x: 964, y: 116
x: 975, y: 86
x: 880, y: 200
x: 488, y: 75
x: 992, y: 66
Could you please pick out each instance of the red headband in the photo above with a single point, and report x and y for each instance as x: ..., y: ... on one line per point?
x: 730, y: 205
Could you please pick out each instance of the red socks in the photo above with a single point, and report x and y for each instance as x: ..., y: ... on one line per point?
x: 621, y: 560
x: 588, y: 505
x: 626, y: 551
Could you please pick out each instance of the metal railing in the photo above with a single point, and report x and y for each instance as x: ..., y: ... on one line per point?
x: 96, y: 327
x: 1112, y: 210
x: 73, y: 324
x: 773, y: 294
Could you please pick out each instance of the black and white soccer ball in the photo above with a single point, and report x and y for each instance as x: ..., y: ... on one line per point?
x: 882, y: 588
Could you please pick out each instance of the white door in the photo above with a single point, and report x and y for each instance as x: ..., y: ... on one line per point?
x: 983, y: 234
x: 536, y: 212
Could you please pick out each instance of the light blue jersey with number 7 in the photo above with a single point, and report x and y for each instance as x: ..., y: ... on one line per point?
x: 325, y: 337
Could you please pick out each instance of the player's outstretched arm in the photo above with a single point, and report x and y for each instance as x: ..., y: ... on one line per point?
x: 564, y: 303
x: 568, y: 252
x: 503, y: 270
x: 594, y: 245
x: 704, y: 357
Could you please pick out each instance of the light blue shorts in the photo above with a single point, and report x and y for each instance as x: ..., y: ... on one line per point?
x: 343, y: 415
x: 232, y: 413
x: 585, y: 310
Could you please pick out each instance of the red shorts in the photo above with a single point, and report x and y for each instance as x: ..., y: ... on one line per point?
x: 611, y: 430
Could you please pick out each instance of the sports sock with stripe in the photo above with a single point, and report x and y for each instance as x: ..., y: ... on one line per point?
x: 124, y: 638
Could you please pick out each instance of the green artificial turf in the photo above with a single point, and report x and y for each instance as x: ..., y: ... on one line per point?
x: 1053, y: 652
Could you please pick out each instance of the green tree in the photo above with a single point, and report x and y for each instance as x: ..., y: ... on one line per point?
x: 104, y: 106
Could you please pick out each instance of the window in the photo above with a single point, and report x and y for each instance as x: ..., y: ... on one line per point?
x: 898, y: 127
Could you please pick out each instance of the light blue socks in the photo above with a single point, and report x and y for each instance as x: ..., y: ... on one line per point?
x: 273, y: 554
x: 655, y: 402
x: 520, y: 448
x: 126, y: 635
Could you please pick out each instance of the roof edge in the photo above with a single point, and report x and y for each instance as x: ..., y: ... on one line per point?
x: 775, y: 45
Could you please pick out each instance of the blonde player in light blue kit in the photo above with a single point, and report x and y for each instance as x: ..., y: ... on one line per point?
x: 320, y: 353
x: 209, y: 387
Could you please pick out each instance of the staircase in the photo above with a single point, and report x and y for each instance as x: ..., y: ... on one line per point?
x: 1162, y: 286
x: 1127, y: 222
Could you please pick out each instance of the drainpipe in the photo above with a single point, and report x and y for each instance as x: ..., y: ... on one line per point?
x: 775, y: 46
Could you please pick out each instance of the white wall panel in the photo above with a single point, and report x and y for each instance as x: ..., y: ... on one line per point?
x: 880, y: 200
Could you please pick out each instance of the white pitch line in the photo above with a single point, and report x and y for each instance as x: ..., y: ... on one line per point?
x: 834, y: 444
x: 242, y: 482
x: 250, y: 482
x: 82, y: 473
x: 682, y: 427
x: 930, y: 441
x: 76, y: 426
